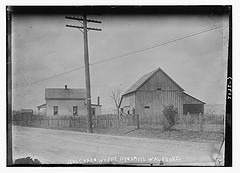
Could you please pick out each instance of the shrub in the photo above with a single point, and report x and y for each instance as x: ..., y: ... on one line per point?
x: 170, y: 114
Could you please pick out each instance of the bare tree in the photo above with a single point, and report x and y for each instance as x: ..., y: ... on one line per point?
x: 116, y: 96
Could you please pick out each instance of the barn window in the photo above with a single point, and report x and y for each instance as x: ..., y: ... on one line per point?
x: 146, y: 107
x: 75, y: 110
x: 55, y: 110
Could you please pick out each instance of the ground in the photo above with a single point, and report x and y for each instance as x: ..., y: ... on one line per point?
x: 155, y: 132
x: 62, y: 147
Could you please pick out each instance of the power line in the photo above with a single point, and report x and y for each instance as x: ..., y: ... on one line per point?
x: 60, y: 74
x: 161, y: 44
x: 130, y: 53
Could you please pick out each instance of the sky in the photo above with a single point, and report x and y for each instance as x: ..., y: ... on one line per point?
x: 43, y: 47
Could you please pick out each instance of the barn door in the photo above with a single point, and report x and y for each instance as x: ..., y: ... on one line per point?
x: 147, y: 115
x: 147, y: 110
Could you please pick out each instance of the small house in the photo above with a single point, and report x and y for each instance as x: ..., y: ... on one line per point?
x: 67, y: 102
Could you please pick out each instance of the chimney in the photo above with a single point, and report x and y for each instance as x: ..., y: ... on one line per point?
x: 98, y: 100
x: 65, y: 87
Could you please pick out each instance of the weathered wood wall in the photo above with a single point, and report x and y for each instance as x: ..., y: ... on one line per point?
x: 157, y: 92
x: 156, y: 102
x: 128, y: 103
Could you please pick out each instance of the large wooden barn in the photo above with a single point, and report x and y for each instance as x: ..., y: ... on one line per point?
x: 148, y: 96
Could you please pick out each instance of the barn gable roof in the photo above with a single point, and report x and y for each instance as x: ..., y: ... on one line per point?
x: 145, y: 78
x: 60, y: 93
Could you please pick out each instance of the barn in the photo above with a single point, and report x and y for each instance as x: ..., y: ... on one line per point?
x: 154, y: 90
x: 67, y: 102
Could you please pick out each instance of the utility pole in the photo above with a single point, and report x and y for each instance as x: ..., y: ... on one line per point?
x: 84, y: 29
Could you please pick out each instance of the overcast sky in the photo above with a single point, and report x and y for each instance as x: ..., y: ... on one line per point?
x: 43, y: 47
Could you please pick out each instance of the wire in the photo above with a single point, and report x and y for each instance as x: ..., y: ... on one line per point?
x: 161, y: 44
x: 50, y: 77
x: 130, y: 53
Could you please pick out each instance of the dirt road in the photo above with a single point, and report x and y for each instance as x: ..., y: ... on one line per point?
x: 64, y: 147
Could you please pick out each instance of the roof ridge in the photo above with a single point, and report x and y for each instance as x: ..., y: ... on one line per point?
x: 67, y: 88
x: 132, y: 89
x: 74, y: 93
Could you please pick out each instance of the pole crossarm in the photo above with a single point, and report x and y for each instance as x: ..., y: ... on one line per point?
x: 80, y: 18
x: 81, y: 27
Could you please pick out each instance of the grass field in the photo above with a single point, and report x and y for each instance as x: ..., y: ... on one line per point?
x: 149, y: 132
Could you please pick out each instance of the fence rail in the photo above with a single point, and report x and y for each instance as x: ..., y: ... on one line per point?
x: 102, y: 121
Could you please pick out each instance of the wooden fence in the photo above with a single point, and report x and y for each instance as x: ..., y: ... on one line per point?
x: 190, y: 122
x: 194, y: 122
x: 102, y: 121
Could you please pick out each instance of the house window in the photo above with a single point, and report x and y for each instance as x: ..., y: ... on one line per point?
x: 93, y: 111
x: 75, y: 110
x: 146, y: 107
x: 159, y: 88
x: 55, y: 110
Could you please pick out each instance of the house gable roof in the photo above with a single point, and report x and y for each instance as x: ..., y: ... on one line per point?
x: 60, y: 93
x: 145, y: 78
x: 42, y: 106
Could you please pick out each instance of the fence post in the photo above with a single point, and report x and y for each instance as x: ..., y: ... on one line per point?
x: 110, y: 121
x: 138, y: 122
x: 106, y: 121
x: 74, y: 121
x: 119, y: 121
x: 201, y: 123
x: 96, y: 121
x: 48, y: 120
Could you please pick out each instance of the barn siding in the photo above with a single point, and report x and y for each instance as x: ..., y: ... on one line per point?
x: 159, y: 80
x: 128, y: 102
x: 157, y: 100
x: 148, y: 94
